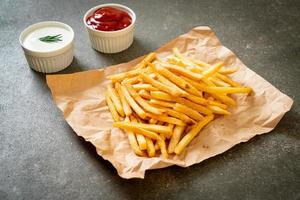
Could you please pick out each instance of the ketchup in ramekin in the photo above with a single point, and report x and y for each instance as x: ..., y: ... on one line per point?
x: 109, y: 19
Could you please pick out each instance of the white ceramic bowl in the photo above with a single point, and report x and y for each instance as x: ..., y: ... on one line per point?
x: 111, y: 41
x: 48, y: 61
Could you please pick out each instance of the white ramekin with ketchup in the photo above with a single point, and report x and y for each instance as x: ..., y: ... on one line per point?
x: 110, y: 27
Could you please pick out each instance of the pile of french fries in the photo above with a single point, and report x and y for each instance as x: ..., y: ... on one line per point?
x: 163, y: 105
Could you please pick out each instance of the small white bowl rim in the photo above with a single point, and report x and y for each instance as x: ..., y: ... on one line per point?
x: 46, y: 53
x: 112, y: 5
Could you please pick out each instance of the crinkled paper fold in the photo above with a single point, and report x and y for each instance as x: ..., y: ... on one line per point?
x: 80, y: 96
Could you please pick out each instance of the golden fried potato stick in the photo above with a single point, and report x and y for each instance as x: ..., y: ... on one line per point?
x: 162, y: 96
x: 141, y: 139
x: 178, y: 130
x: 144, y: 94
x: 199, y: 100
x: 112, y: 108
x: 115, y: 99
x: 162, y: 103
x: 158, y: 84
x: 227, y: 80
x: 188, y: 111
x: 123, y: 75
x: 150, y: 147
x: 137, y: 130
x: 228, y: 70
x: 133, y: 142
x: 228, y: 90
x: 218, y: 82
x: 192, y: 134
x: 132, y: 80
x: 126, y: 106
x: 199, y: 63
x: 140, y: 112
x: 171, y: 126
x: 223, y: 98
x: 148, y: 107
x: 168, y: 83
x: 184, y: 72
x: 152, y: 121
x: 176, y: 61
x: 167, y: 119
x: 218, y: 110
x: 186, y: 119
x: 194, y: 106
x: 212, y: 70
x: 149, y: 58
x: 151, y: 127
x: 163, y: 148
x: 144, y: 86
x: 176, y: 79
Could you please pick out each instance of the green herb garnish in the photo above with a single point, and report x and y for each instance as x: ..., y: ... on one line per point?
x: 50, y: 39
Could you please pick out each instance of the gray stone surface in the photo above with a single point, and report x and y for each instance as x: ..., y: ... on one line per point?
x: 42, y: 158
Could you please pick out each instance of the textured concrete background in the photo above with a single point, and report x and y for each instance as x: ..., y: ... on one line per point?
x: 42, y: 158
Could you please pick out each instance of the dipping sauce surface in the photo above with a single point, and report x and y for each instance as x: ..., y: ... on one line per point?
x: 109, y: 19
x: 32, y: 40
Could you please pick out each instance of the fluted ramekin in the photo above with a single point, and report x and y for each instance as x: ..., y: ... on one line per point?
x: 111, y: 41
x: 48, y: 61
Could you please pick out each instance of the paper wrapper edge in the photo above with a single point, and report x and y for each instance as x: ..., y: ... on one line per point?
x: 80, y: 96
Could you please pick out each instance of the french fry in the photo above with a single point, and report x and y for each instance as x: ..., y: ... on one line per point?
x: 116, y: 100
x: 151, y: 56
x: 194, y: 106
x: 141, y: 139
x: 133, y: 142
x: 128, y: 74
x: 228, y: 90
x: 188, y: 111
x: 167, y: 119
x: 137, y: 130
x: 186, y: 119
x: 168, y: 83
x: 162, y: 103
x: 132, y: 80
x: 148, y: 107
x: 192, y: 134
x: 228, y: 70
x: 152, y: 121
x: 223, y: 98
x: 140, y: 112
x: 151, y: 127
x: 144, y: 94
x: 227, y: 80
x: 158, y: 84
x: 184, y: 72
x: 218, y: 110
x: 144, y: 86
x: 218, y: 82
x: 177, y: 80
x: 163, y: 148
x: 111, y: 107
x: 178, y: 130
x: 150, y: 148
x: 161, y: 96
x: 126, y: 107
x: 212, y: 70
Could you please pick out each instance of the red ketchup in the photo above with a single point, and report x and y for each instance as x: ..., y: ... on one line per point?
x: 109, y: 19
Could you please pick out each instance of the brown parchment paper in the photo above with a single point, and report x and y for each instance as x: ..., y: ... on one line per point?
x: 80, y: 96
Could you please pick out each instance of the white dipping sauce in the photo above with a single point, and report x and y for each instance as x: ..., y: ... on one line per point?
x: 32, y: 42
